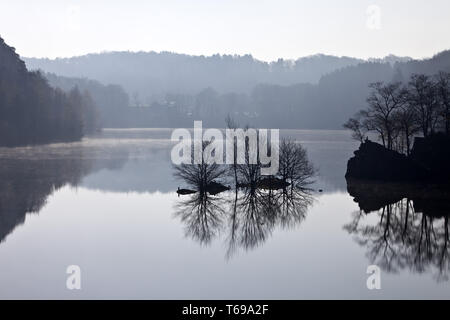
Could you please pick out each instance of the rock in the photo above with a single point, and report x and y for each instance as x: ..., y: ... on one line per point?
x: 184, y: 192
x: 215, y: 188
x: 372, y: 161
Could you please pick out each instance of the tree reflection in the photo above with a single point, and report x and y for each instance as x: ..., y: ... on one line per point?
x: 202, y: 214
x: 259, y: 212
x: 411, y: 233
x: 258, y: 205
x: 247, y: 217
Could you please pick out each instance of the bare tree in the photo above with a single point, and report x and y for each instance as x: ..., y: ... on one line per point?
x: 405, y: 119
x: 384, y: 101
x: 200, y: 176
x: 399, y: 113
x: 356, y: 126
x: 249, y: 173
x: 443, y: 92
x: 370, y: 123
x: 422, y: 96
x: 295, y: 167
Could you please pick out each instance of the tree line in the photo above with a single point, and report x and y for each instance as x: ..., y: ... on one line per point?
x: 173, y: 91
x: 397, y: 112
x: 152, y: 75
x: 111, y: 100
x: 32, y: 112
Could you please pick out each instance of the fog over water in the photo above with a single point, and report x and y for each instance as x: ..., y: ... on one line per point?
x: 108, y: 204
x: 92, y: 91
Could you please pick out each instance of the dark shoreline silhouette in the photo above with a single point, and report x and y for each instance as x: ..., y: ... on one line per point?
x: 428, y: 162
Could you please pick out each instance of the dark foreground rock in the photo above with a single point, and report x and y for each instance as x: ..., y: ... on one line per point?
x: 429, y: 162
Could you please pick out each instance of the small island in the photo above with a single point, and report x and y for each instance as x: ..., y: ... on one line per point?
x: 412, y: 122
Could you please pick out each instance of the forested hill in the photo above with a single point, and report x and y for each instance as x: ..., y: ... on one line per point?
x: 10, y: 62
x: 32, y: 112
x: 152, y: 75
x: 172, y: 90
x: 111, y: 100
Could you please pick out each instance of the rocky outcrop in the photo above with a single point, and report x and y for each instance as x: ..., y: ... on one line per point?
x: 378, y: 177
x: 215, y: 188
x: 372, y: 161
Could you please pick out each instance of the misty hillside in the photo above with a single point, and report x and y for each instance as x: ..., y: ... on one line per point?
x: 325, y: 104
x: 338, y: 95
x: 32, y: 112
x: 152, y: 75
x: 10, y: 62
x: 110, y: 99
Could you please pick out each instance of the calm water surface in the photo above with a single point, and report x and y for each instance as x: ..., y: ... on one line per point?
x: 108, y: 204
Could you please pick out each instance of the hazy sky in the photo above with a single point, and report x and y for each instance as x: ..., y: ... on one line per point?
x: 266, y: 29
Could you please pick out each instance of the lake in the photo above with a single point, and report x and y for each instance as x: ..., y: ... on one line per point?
x: 109, y: 205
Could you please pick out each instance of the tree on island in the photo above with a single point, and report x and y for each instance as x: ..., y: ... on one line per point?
x: 397, y: 113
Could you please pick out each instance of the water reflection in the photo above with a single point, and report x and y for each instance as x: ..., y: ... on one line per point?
x: 257, y: 206
x: 27, y: 179
x: 133, y: 206
x: 246, y: 217
x: 256, y: 213
x: 202, y: 215
x: 403, y: 226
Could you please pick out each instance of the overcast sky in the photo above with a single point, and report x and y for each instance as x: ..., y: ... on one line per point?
x: 266, y: 29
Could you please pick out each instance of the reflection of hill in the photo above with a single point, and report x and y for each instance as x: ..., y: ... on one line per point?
x: 412, y: 229
x: 29, y: 175
x: 149, y: 173
x: 27, y: 179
